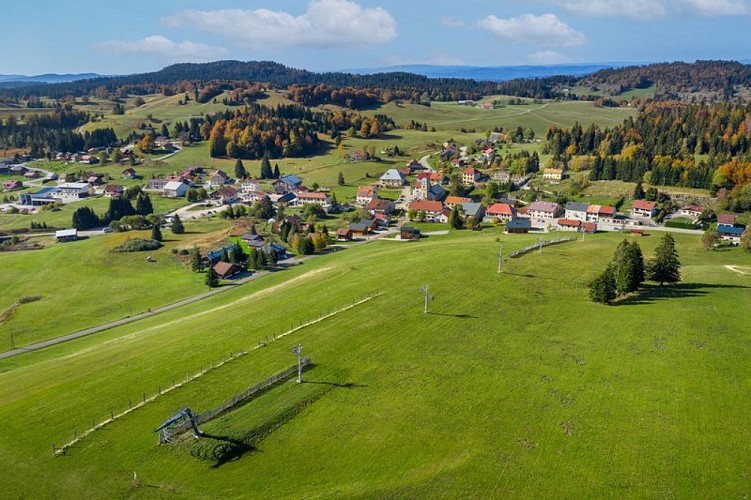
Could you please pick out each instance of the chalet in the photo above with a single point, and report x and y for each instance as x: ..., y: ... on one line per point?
x: 227, y: 195
x: 692, y: 211
x: 588, y: 227
x: 250, y: 185
x: 344, y: 234
x: 432, y: 209
x: 66, y: 235
x: 380, y: 206
x: 313, y: 198
x: 12, y: 185
x: 552, y: 174
x: 215, y: 256
x: 291, y: 181
x: 217, y: 178
x: 358, y: 156
x: 542, y: 212
x: 731, y: 234
x: 518, y: 226
x: 44, y: 196
x: 726, y: 219
x: 277, y: 251
x: 501, y: 212
x: 452, y: 201
x: 225, y: 270
x: 475, y: 210
x: 568, y: 224
x: 381, y: 220
x: 253, y: 240
x: 113, y: 191
x: 366, y: 194
x: 409, y: 233
x: 129, y: 174
x: 603, y: 214
x: 393, y: 178
x: 415, y: 165
x: 18, y: 170
x: 643, y: 208
x: 576, y: 211
x: 470, y: 175
x: 361, y: 228
x: 252, y: 196
x: 175, y: 189
x: 89, y: 159
x: 94, y: 180
x: 157, y: 184
x: 435, y: 177
x: 31, y: 174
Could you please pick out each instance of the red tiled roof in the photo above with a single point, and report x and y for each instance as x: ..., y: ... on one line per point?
x: 457, y: 200
x: 607, y: 210
x: 427, y: 206
x: 543, y: 206
x: 500, y: 209
x: 727, y: 219
x: 312, y: 195
x: 644, y: 205
x: 569, y: 223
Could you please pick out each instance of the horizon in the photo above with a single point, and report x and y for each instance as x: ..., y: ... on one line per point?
x: 336, y: 35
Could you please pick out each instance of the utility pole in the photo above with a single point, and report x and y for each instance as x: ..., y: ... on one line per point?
x: 500, y: 260
x: 540, y: 248
x: 297, y: 349
x: 12, y: 340
x: 426, y: 292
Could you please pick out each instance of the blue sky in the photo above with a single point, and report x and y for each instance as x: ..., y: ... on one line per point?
x: 69, y: 36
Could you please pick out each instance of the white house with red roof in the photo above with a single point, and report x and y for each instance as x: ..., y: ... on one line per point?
x: 366, y: 194
x: 311, y: 197
x: 692, y: 211
x: 544, y: 212
x: 470, y: 175
x: 643, y: 208
x: 501, y: 212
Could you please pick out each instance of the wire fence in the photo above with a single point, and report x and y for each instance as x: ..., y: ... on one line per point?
x: 537, y: 246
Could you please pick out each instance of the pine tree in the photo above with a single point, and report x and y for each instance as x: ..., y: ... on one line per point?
x: 455, y: 218
x: 602, y: 289
x: 240, y: 172
x: 253, y: 258
x: 665, y: 266
x: 266, y: 172
x: 237, y: 256
x: 340, y: 179
x: 639, y: 193
x: 143, y: 205
x: 196, y: 260
x: 156, y: 232
x: 628, y: 267
x: 225, y: 255
x: 267, y: 208
x: 177, y: 225
x: 277, y: 174
x: 212, y: 279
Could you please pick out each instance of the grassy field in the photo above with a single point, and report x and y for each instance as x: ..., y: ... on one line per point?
x: 83, y: 284
x: 514, y: 385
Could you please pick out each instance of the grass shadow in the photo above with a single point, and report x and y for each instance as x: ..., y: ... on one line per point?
x: 461, y: 316
x: 651, y: 293
x: 347, y: 385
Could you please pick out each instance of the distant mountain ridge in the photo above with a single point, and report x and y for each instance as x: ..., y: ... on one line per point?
x: 48, y: 78
x: 494, y: 73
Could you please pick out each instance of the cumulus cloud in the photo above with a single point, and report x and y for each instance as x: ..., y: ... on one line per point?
x: 163, y: 47
x: 324, y: 23
x: 547, y: 57
x: 546, y: 30
x: 451, y: 22
x: 655, y: 9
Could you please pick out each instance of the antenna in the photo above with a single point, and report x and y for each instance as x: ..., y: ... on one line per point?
x: 297, y: 349
x: 425, y: 290
x: 500, y: 260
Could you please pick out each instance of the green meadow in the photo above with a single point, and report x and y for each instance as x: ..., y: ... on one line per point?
x: 514, y: 385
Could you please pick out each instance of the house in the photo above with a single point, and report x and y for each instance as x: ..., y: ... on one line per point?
x: 51, y: 176
x: 313, y: 198
x: 452, y: 201
x: 250, y: 186
x: 291, y: 181
x: 284, y: 198
x: 692, y: 211
x: 381, y: 220
x: 435, y: 177
x: 72, y: 191
x: 542, y: 212
x: 470, y: 175
x: 588, y: 227
x: 731, y: 234
x: 217, y: 178
x: 576, y: 211
x: 344, y: 234
x: 65, y: 235
x: 94, y: 180
x: 360, y: 228
x: 518, y: 226
x: 13, y: 185
x: 443, y: 217
x: 366, y: 194
x: 426, y: 190
x: 501, y: 212
x: 42, y: 197
x: 252, y: 197
x: 129, y: 174
x: 253, y: 240
x: 726, y: 219
x: 113, y: 191
x: 393, y: 178
x: 358, y: 155
x: 157, y: 184
x: 569, y: 224
x: 18, y: 170
x: 552, y: 174
x: 294, y: 221
x: 277, y: 251
x: 226, y: 270
x: 409, y: 233
x: 475, y: 210
x: 174, y: 189
x: 31, y: 174
x: 432, y: 209
x: 227, y: 195
x: 89, y: 159
x: 215, y: 256
x: 643, y: 208
x: 603, y: 214
x: 380, y: 206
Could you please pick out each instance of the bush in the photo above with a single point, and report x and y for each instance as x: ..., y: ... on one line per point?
x: 137, y: 245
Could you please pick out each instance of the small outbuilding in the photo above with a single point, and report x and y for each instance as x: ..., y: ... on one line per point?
x: 66, y: 235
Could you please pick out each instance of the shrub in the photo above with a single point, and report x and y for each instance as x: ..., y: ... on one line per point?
x: 137, y: 245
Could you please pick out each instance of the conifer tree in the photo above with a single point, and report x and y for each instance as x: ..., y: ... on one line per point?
x: 156, y: 232
x: 196, y: 260
x: 266, y: 172
x: 665, y: 266
x: 177, y: 225
x: 240, y: 172
x: 602, y: 288
x: 212, y: 279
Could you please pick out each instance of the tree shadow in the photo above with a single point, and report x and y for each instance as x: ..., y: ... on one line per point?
x: 347, y: 385
x: 651, y: 293
x: 461, y: 316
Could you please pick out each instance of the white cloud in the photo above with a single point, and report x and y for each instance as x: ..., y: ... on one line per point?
x: 160, y: 46
x: 451, y: 22
x: 655, y: 9
x: 546, y: 30
x: 547, y: 57
x: 324, y: 23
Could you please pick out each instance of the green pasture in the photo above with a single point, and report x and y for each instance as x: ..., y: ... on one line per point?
x: 514, y: 385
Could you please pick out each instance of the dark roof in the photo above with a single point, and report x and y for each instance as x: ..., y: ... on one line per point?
x: 576, y: 206
x: 217, y: 254
x: 410, y: 229
x: 730, y: 230
x: 519, y: 224
x: 360, y: 226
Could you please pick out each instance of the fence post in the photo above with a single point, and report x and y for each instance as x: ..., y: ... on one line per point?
x: 112, y: 414
x: 144, y: 397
